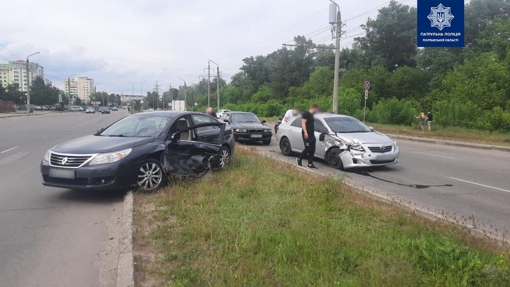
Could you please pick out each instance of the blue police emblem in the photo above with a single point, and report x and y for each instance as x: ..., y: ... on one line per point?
x: 440, y: 17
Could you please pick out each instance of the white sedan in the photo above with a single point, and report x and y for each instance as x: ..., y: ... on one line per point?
x: 342, y: 141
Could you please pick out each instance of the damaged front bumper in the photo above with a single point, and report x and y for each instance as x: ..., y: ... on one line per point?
x: 356, y: 159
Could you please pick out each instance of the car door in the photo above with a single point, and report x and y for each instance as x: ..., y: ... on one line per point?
x: 208, y: 134
x: 295, y: 136
x: 320, y: 146
x: 186, y: 153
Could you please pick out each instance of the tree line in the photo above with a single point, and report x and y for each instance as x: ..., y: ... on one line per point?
x: 465, y: 87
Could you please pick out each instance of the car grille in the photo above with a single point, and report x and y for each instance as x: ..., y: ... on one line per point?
x: 74, y: 182
x: 256, y: 131
x: 383, y: 149
x: 382, y: 161
x: 70, y: 161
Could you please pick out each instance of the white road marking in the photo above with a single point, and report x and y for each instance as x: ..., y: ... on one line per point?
x: 424, y: 153
x: 479, y: 184
x: 13, y: 158
x: 7, y: 150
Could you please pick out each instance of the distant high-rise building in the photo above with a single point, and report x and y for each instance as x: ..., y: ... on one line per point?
x: 81, y: 88
x: 15, y: 73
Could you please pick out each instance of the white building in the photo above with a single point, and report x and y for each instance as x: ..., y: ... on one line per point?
x: 15, y: 73
x: 81, y: 88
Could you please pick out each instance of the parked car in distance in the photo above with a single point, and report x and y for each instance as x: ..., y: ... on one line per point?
x: 221, y: 113
x: 139, y: 151
x: 248, y: 127
x: 90, y: 110
x: 114, y: 109
x: 104, y: 110
x: 342, y: 141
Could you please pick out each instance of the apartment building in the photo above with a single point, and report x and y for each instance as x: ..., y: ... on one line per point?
x: 81, y: 88
x: 15, y: 72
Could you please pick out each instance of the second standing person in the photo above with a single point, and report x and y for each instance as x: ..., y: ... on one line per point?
x: 308, y: 134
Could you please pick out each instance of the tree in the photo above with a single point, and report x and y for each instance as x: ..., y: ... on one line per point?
x: 390, y: 39
x: 42, y: 93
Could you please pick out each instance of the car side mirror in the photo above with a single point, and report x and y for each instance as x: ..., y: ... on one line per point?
x: 322, y: 137
x: 100, y: 130
x: 280, y: 119
x: 227, y: 121
x: 264, y: 121
x: 371, y: 128
x: 175, y: 137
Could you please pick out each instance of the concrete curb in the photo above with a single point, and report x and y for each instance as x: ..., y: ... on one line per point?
x: 125, y: 264
x: 452, y: 143
x: 419, y: 211
x: 19, y: 115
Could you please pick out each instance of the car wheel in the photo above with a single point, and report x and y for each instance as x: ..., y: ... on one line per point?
x: 223, y: 158
x: 150, y: 176
x: 333, y: 158
x: 285, y: 147
x: 268, y: 142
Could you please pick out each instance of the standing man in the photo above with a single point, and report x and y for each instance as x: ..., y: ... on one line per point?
x: 430, y: 118
x: 211, y: 112
x: 308, y: 133
x: 290, y: 114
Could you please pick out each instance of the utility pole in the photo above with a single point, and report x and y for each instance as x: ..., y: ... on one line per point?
x: 209, y: 83
x: 28, y: 82
x: 217, y: 83
x: 185, y: 98
x: 69, y: 88
x: 156, y: 103
x: 335, y: 17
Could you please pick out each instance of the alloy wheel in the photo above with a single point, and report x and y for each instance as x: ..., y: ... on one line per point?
x: 150, y: 176
x: 224, y: 158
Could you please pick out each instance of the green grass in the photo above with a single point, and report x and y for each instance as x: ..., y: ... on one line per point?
x: 449, y: 133
x: 262, y: 223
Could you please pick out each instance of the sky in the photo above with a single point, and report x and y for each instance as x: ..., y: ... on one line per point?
x: 117, y: 41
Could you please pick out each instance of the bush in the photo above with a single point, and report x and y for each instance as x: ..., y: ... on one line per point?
x: 394, y: 112
x: 450, y: 113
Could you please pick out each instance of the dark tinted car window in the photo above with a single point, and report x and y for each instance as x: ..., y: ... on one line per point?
x: 297, y: 122
x: 319, y: 126
x: 200, y: 119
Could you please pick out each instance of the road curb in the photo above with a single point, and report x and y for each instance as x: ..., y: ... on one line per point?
x: 20, y: 115
x: 125, y: 264
x: 419, y: 211
x: 452, y: 143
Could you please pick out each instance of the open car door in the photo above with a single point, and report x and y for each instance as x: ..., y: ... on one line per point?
x: 186, y: 155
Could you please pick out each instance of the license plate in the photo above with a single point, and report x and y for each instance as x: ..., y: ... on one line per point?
x: 61, y: 173
x: 256, y: 136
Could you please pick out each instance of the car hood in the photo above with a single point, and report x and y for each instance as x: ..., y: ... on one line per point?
x: 97, y: 144
x: 250, y: 126
x: 365, y: 138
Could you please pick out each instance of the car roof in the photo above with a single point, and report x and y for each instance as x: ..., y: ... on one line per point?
x: 330, y: 115
x: 172, y: 114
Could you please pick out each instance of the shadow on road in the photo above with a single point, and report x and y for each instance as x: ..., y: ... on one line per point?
x: 94, y: 197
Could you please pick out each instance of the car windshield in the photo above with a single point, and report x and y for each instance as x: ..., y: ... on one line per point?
x: 139, y: 126
x: 245, y: 118
x: 346, y: 125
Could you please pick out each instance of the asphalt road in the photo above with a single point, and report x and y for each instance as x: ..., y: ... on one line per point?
x: 467, y: 185
x: 49, y: 237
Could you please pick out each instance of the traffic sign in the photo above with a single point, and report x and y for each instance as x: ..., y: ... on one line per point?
x: 366, y: 94
x: 367, y: 85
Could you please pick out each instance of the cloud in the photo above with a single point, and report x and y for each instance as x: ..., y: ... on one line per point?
x: 119, y: 40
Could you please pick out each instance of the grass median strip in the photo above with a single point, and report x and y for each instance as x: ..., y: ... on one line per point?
x: 262, y: 223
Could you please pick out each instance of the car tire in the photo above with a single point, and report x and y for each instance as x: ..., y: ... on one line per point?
x: 223, y: 159
x: 150, y: 177
x: 268, y: 142
x: 285, y: 147
x: 333, y: 158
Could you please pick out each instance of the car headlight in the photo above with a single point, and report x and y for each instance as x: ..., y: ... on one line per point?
x: 47, y: 155
x: 111, y: 157
x: 357, y: 148
x: 240, y: 131
x: 267, y: 131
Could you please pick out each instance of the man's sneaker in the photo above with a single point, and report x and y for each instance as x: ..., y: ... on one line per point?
x: 312, y: 166
x: 299, y: 162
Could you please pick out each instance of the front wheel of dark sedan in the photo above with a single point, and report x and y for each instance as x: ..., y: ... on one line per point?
x: 223, y: 158
x: 150, y: 176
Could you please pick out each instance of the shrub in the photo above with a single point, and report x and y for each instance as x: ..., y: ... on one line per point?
x: 393, y: 111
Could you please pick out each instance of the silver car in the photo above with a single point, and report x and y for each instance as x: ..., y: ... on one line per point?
x: 342, y: 141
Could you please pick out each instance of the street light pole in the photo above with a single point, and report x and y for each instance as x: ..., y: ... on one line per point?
x: 132, y: 92
x: 337, y: 57
x: 28, y: 81
x: 185, y: 98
